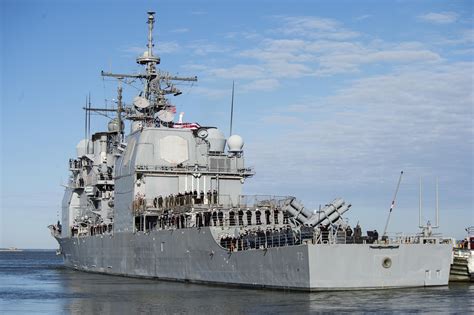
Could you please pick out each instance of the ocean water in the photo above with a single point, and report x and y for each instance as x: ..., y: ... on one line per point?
x: 35, y: 282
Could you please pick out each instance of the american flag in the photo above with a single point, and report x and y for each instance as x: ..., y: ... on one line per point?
x: 172, y: 109
x: 192, y: 126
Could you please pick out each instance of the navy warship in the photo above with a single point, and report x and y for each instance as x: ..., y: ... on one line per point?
x: 165, y: 201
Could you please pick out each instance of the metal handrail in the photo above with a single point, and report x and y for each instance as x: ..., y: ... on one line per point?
x: 193, y: 168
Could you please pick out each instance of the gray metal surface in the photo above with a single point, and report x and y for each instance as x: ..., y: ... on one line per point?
x: 193, y: 255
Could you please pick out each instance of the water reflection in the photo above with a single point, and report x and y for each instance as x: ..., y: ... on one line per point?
x: 37, y: 282
x: 99, y: 293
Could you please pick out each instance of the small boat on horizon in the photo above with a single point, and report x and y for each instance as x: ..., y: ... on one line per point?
x: 11, y: 249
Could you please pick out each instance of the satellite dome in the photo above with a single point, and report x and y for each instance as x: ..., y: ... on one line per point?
x: 114, y: 125
x: 84, y: 147
x: 216, y: 140
x: 235, y: 143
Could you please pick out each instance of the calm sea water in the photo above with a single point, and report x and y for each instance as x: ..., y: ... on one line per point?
x: 36, y: 282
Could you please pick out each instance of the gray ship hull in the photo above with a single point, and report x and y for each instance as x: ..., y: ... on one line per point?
x: 192, y: 255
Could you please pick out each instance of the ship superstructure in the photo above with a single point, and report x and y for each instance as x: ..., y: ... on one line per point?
x: 165, y: 201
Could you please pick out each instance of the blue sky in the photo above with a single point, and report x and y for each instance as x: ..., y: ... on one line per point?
x: 333, y: 98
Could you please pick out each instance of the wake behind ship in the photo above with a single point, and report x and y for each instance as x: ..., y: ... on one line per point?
x: 165, y: 202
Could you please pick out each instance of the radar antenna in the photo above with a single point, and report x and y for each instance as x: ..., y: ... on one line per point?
x: 157, y: 84
x: 231, y: 109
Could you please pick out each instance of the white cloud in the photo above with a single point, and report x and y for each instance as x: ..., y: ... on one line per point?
x: 464, y: 37
x: 315, y: 27
x: 134, y: 50
x: 211, y: 93
x: 203, y: 48
x: 300, y: 50
x: 237, y: 72
x: 160, y: 47
x: 251, y: 35
x: 363, y: 17
x: 166, y: 47
x: 262, y: 85
x: 413, y: 119
x: 340, y: 62
x: 301, y: 57
x: 180, y: 30
x: 195, y: 67
x: 288, y: 70
x: 439, y: 17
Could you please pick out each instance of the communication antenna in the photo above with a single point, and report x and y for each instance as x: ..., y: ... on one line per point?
x: 437, y: 204
x: 420, y: 224
x: 119, y: 107
x: 231, y: 109
x: 85, y: 120
x: 89, y: 118
x: 393, y: 204
x: 420, y: 206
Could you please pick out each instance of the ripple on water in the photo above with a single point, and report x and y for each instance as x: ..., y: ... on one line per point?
x: 37, y: 282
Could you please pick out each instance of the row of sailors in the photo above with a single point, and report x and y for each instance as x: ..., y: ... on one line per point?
x: 180, y: 199
x: 74, y: 164
x: 237, y: 217
x: 100, y: 229
x: 256, y: 239
x: 347, y: 235
x: 186, y: 198
x: 215, y: 218
x: 97, y: 229
x: 77, y: 164
x: 261, y: 239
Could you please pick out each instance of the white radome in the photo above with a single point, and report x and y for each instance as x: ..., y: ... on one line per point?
x: 216, y: 140
x: 235, y: 143
x: 84, y: 147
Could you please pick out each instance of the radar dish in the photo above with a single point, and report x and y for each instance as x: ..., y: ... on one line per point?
x: 165, y: 116
x: 202, y: 133
x: 141, y: 102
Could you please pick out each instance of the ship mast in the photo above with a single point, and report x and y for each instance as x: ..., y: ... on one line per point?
x: 157, y: 84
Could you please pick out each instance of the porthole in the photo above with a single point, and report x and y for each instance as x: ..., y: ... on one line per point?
x: 386, y: 262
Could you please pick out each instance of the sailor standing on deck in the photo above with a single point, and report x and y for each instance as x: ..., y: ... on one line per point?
x: 214, y: 196
x: 249, y: 217
x: 214, y: 218
x: 160, y: 201
x: 209, y: 197
x: 195, y: 194
x: 202, y: 197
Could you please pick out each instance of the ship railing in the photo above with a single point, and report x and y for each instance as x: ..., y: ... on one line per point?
x: 470, y: 231
x: 104, y: 177
x: 308, y: 235
x: 181, y: 203
x: 55, y: 230
x: 78, y: 183
x: 279, y: 237
x: 75, y: 165
x: 255, y: 201
x: 260, y: 239
x: 401, y: 238
x: 266, y: 238
x: 91, y: 230
x: 192, y: 168
x: 208, y: 201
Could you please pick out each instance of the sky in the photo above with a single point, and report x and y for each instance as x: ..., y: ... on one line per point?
x: 332, y: 98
